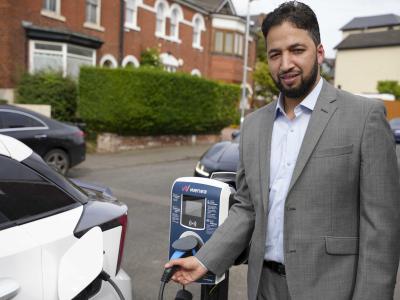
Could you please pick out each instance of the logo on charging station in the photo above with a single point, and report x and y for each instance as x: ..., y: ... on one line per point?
x: 187, y: 188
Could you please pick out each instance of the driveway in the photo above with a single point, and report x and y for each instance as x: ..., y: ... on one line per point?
x: 142, y: 179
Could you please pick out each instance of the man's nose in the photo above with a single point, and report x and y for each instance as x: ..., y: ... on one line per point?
x: 286, y: 62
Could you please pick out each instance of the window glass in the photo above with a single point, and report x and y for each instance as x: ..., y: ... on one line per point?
x: 24, y: 194
x: 16, y: 120
x: 160, y: 27
x: 197, y: 33
x: 174, y: 23
x: 229, y: 42
x: 238, y: 44
x: 50, y: 47
x: 91, y: 11
x: 50, y: 5
x: 80, y: 51
x: 219, y: 41
x: 47, y: 61
x: 130, y: 12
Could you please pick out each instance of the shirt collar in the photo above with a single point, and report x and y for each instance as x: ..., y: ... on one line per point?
x: 308, y: 102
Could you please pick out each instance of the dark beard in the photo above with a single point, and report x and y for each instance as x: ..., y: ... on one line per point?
x: 305, y: 87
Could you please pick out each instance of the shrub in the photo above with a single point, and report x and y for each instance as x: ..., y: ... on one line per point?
x: 150, y: 58
x: 153, y: 102
x: 49, y: 88
x: 390, y: 87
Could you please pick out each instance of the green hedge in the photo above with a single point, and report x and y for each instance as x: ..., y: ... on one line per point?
x: 49, y: 88
x: 153, y: 102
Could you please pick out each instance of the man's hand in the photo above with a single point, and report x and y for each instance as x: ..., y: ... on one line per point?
x: 189, y: 270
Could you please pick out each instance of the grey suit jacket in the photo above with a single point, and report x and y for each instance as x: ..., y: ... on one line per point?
x: 342, y: 212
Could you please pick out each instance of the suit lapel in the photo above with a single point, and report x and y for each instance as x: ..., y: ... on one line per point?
x: 265, y: 135
x: 324, y: 109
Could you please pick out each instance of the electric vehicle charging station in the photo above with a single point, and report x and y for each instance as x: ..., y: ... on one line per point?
x: 198, y: 207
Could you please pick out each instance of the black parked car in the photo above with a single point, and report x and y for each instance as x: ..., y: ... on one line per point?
x: 61, y: 145
x: 221, y: 157
x: 395, y: 125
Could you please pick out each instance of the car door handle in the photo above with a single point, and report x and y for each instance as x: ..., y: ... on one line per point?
x: 40, y: 136
x: 8, y: 288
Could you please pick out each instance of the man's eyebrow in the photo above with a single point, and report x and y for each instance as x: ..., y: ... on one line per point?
x: 273, y: 50
x: 296, y: 45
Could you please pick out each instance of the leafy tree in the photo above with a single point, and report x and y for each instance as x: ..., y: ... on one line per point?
x: 390, y: 87
x: 265, y: 87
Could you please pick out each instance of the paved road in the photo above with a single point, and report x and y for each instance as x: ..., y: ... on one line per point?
x: 142, y: 179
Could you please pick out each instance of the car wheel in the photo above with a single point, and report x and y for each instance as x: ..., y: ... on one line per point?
x: 58, y: 160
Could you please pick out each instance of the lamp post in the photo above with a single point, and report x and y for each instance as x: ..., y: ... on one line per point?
x: 243, y: 101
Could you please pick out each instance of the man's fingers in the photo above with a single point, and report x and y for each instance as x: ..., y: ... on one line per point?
x: 174, y: 262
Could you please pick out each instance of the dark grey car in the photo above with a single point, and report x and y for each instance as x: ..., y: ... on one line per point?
x: 61, y: 145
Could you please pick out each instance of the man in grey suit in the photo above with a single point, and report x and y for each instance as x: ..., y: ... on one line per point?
x: 317, y: 185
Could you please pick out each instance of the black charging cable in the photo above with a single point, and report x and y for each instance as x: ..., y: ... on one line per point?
x: 184, y: 247
x: 165, y: 278
x: 106, y: 277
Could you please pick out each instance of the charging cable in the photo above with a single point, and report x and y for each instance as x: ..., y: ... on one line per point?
x: 106, y: 277
x: 183, y: 247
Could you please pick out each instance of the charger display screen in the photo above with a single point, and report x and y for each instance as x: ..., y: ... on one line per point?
x: 193, y: 211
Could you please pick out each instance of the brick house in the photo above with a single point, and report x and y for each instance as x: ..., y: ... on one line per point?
x: 201, y: 37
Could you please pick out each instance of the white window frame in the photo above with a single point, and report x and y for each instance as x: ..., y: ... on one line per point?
x: 130, y: 59
x: 63, y: 52
x: 97, y: 24
x: 53, y: 14
x: 111, y: 58
x: 134, y: 9
x: 179, y: 18
x: 163, y: 18
x: 201, y: 27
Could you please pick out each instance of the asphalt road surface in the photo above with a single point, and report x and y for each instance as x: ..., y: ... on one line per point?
x: 142, y: 179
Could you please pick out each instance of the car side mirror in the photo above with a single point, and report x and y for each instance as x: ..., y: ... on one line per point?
x: 8, y: 288
x: 235, y: 134
x: 81, y: 264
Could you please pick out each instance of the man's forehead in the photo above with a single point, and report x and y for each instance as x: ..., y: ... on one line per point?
x: 287, y: 35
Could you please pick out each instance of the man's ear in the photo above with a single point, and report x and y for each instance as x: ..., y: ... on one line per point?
x: 320, y: 54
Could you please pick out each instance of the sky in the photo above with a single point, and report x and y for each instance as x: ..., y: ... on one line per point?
x: 331, y: 14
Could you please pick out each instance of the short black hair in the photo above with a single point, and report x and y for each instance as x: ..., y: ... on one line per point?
x: 298, y: 14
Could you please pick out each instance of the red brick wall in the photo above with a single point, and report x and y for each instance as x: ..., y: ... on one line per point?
x: 14, y: 46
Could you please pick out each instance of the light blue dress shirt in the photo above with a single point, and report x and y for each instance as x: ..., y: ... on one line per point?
x: 287, y: 137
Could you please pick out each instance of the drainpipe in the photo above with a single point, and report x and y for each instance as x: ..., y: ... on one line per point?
x: 121, y: 32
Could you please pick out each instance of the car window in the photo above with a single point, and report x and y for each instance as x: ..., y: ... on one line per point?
x: 26, y: 195
x: 18, y: 120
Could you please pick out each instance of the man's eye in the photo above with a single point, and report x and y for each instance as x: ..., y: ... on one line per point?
x: 273, y: 55
x: 298, y: 51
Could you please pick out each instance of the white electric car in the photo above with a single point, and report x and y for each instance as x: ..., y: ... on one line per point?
x: 57, y: 240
